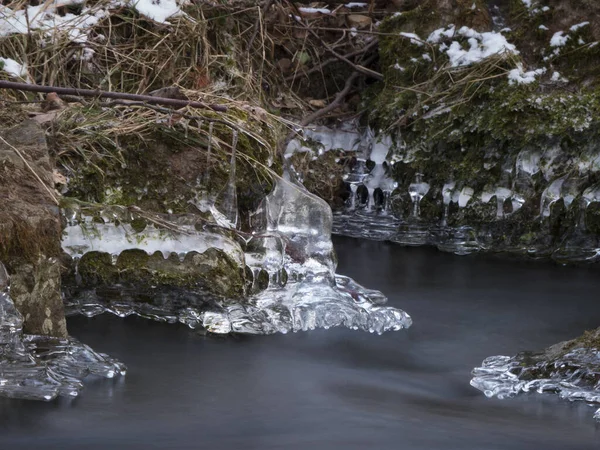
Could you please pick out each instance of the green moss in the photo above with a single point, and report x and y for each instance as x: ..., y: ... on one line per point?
x: 213, y: 270
x: 97, y: 267
x: 162, y: 169
x: 322, y: 175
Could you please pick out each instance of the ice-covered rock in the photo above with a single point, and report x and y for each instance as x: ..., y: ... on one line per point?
x: 570, y: 369
x: 40, y: 367
x: 289, y: 255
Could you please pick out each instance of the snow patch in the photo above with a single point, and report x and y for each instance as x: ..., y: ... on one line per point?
x: 157, y: 10
x: 481, y: 45
x: 519, y: 76
x: 13, y: 68
x: 308, y: 10
x: 578, y: 26
x: 559, y: 39
x: 414, y: 39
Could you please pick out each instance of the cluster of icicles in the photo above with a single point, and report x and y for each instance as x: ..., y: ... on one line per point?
x: 368, y: 212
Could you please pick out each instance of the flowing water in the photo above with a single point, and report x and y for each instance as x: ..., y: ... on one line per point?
x: 337, y: 388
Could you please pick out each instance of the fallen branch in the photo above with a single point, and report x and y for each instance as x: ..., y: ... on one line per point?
x: 334, y: 104
x: 106, y: 94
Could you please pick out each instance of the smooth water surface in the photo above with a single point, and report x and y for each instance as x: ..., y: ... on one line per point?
x: 337, y: 389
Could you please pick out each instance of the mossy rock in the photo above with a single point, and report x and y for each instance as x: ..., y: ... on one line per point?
x: 212, y: 271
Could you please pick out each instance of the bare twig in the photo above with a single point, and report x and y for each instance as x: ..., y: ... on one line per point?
x: 334, y: 104
x: 106, y: 94
x: 257, y: 23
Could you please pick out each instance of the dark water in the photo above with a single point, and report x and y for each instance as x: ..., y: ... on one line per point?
x: 337, y: 389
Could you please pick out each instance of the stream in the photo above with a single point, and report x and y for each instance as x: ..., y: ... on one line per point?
x: 337, y: 388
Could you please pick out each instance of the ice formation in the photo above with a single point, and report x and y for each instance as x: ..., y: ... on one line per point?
x: 299, y: 226
x: 39, y: 367
x: 573, y: 376
x: 378, y: 208
x: 290, y: 243
x: 369, y: 213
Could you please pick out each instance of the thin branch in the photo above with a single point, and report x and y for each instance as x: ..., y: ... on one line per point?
x: 257, y: 24
x: 334, y: 104
x: 106, y: 94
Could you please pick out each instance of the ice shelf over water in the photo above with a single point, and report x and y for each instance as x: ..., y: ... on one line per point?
x: 574, y: 375
x: 39, y: 367
x: 290, y: 244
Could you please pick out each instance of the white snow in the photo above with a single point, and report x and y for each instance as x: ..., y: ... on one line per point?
x: 157, y: 10
x: 13, y: 68
x: 519, y: 76
x: 355, y: 5
x: 527, y: 3
x: 578, y: 26
x: 481, y: 45
x: 543, y: 27
x: 436, y: 36
x: 308, y: 10
x: 45, y: 17
x: 559, y: 39
x: 414, y: 38
x: 556, y: 76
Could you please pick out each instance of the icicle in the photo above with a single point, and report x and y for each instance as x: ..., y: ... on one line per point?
x: 417, y: 191
x: 371, y: 201
x: 354, y: 193
x: 225, y: 209
x: 550, y: 196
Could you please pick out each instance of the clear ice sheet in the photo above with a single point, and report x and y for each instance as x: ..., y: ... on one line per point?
x: 575, y: 376
x: 39, y: 367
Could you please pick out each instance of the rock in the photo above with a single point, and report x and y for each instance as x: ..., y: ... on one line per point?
x: 30, y: 230
x: 213, y: 271
x: 35, y: 289
x: 358, y: 20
